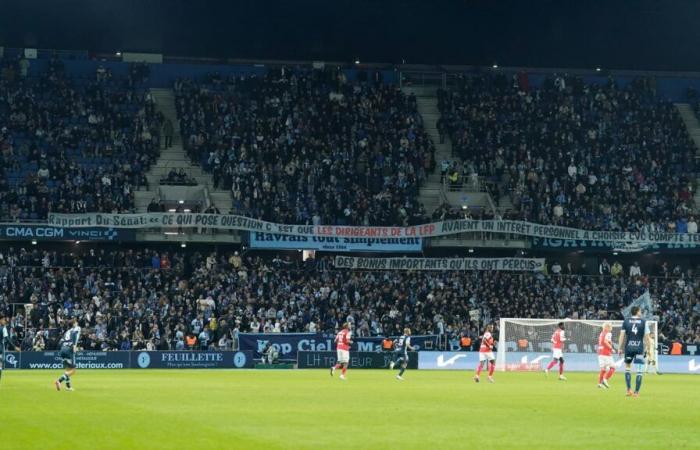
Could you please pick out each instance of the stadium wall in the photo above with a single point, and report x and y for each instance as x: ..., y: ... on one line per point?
x: 575, y: 362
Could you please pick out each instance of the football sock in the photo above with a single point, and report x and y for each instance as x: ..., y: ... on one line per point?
x: 628, y: 379
x: 345, y: 369
x: 403, y: 369
x: 492, y: 366
x: 0, y: 371
x: 610, y: 373
x: 337, y: 366
x: 601, y: 376
x: 639, y: 382
x: 561, y: 367
x: 478, y: 369
x: 551, y: 364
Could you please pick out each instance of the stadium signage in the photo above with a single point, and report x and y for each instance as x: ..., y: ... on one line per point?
x: 358, y: 360
x: 451, y: 227
x: 289, y: 344
x: 522, y: 361
x: 495, y: 264
x: 337, y: 244
x: 43, y: 232
x: 622, y: 247
x: 133, y: 360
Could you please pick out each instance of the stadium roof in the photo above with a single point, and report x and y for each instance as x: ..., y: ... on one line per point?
x: 639, y: 34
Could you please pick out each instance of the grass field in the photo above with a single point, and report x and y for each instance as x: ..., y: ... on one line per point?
x: 193, y: 409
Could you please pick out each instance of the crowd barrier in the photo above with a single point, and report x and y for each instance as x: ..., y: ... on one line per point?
x: 423, y: 360
x: 133, y: 360
x: 575, y: 362
x: 289, y: 344
x: 358, y: 360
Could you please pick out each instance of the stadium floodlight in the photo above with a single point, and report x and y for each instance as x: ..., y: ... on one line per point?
x: 357, y: 61
x: 525, y: 344
x: 495, y: 66
x: 597, y: 69
x: 182, y: 202
x: 33, y: 241
x: 118, y: 54
x: 471, y: 250
x: 183, y: 245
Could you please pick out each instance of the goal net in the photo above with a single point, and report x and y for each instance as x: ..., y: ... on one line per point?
x: 525, y: 344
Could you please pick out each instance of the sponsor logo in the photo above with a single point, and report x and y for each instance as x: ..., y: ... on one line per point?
x: 441, y: 362
x: 239, y: 360
x: 144, y: 360
x: 10, y: 360
x: 692, y: 367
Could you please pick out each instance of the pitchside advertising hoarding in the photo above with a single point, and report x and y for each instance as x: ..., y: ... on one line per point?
x: 49, y: 233
x: 288, y: 344
x: 358, y: 360
x: 334, y: 244
x: 133, y: 360
x: 575, y: 362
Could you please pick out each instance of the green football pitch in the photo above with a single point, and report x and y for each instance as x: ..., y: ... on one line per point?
x: 307, y: 409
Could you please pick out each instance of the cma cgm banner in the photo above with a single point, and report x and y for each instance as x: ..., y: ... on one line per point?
x: 335, y: 244
x: 50, y: 233
x: 234, y: 222
x: 495, y: 264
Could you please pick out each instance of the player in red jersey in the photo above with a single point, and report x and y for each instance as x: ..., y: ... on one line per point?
x: 605, y: 359
x: 343, y: 341
x: 558, y: 339
x: 486, y: 354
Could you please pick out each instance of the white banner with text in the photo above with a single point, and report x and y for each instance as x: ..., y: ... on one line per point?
x: 450, y: 227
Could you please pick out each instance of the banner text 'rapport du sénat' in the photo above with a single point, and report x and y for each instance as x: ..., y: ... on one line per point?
x: 446, y: 228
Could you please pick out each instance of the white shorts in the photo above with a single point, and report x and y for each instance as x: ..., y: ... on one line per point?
x: 343, y: 356
x: 605, y: 362
x: 486, y: 356
x: 557, y: 353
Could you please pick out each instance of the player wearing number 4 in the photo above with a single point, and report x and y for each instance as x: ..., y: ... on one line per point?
x: 605, y: 359
x: 634, y: 339
x: 486, y: 354
x: 558, y: 339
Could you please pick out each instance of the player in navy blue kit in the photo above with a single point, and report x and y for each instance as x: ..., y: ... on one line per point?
x: 635, y: 342
x: 401, y: 348
x: 69, y: 346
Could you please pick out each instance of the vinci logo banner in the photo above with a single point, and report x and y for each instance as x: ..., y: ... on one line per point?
x: 335, y: 244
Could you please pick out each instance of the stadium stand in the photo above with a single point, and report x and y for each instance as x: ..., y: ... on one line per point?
x: 591, y: 156
x: 131, y: 299
x: 72, y: 144
x: 309, y: 147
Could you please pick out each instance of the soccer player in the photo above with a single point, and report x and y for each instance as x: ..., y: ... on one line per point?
x: 486, y: 354
x: 401, y: 348
x: 558, y: 339
x: 343, y: 342
x: 69, y: 346
x: 5, y: 342
x: 634, y: 339
x: 605, y: 359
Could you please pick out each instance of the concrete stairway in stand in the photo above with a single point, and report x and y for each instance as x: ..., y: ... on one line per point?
x: 693, y: 126
x: 176, y: 158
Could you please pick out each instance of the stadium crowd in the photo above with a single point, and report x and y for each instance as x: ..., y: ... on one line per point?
x: 70, y: 144
x: 135, y: 299
x: 309, y: 146
x: 591, y: 156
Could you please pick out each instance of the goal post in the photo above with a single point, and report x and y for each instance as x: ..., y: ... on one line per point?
x: 525, y: 344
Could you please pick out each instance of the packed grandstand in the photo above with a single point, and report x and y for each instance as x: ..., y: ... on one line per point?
x: 334, y: 146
